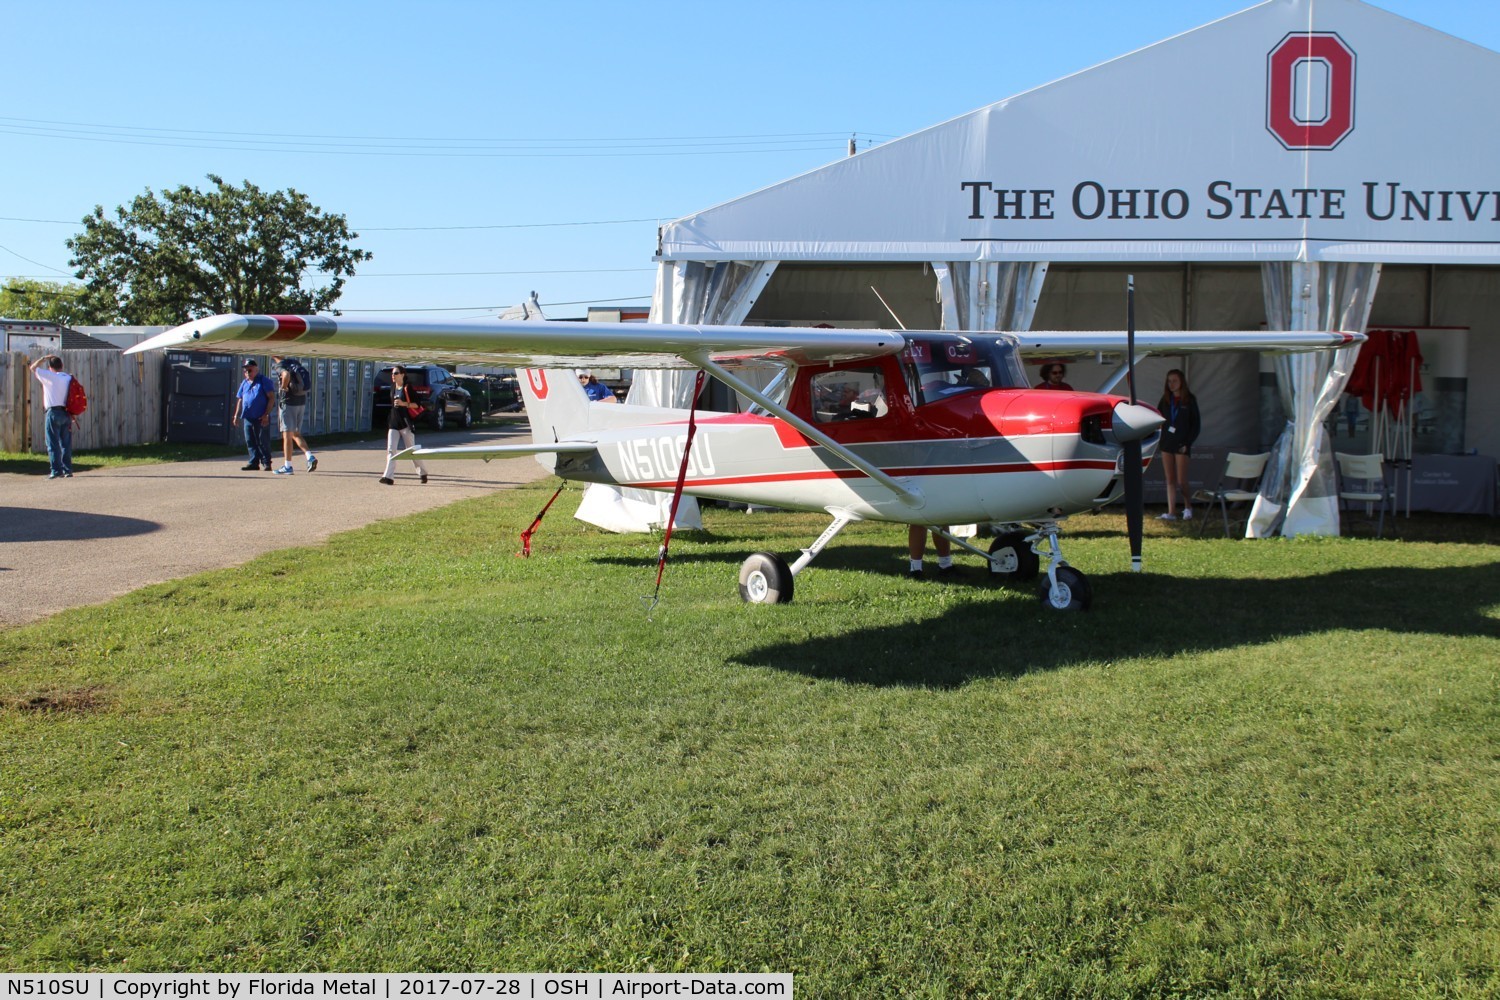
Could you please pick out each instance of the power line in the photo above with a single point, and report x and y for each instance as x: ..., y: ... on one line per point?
x: 412, y: 229
x: 534, y: 152
x: 379, y: 138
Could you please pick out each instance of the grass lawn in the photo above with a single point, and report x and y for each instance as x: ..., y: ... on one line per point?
x: 1260, y: 769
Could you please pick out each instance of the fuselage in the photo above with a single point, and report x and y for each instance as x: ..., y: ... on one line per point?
x: 957, y: 430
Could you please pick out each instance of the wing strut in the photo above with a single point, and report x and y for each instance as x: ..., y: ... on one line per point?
x: 907, y: 495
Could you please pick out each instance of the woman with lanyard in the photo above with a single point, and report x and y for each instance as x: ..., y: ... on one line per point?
x: 1180, y: 407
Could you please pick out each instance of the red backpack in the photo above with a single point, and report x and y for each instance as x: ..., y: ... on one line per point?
x: 78, y: 400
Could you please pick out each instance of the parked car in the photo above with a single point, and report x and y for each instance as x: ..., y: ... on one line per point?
x: 431, y: 385
x: 491, y: 393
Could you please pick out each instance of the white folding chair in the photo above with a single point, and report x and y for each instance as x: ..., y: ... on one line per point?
x: 1240, y: 483
x: 1362, y: 480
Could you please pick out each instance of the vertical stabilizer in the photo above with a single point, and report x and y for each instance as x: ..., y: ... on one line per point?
x: 555, y: 404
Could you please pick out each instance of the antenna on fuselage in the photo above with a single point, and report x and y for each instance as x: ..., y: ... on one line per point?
x: 1131, y: 450
x: 888, y: 307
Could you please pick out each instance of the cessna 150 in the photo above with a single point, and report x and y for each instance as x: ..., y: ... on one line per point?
x: 924, y: 428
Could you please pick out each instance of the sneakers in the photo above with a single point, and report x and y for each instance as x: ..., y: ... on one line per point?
x: 1168, y: 516
x: 54, y: 475
x: 424, y: 479
x: 285, y: 470
x: 386, y: 481
x: 312, y: 462
x: 1187, y: 513
x: 252, y: 467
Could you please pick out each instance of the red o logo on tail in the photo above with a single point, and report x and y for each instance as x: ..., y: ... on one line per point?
x: 538, y: 380
x: 1310, y: 90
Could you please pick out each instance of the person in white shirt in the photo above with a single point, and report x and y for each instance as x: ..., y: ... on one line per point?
x: 59, y: 424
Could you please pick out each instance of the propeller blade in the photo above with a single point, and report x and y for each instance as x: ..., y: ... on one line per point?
x: 1134, y: 477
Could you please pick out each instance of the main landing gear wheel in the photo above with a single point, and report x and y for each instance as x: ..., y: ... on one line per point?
x: 1011, y: 558
x: 1071, y: 592
x: 765, y: 578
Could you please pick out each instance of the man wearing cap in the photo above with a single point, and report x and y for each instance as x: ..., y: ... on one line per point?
x: 253, y: 404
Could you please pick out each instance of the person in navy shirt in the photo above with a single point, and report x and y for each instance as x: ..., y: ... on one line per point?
x: 253, y: 405
x: 1180, y: 407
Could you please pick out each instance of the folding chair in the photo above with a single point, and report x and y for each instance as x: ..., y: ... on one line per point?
x: 1362, y: 480
x: 1240, y: 483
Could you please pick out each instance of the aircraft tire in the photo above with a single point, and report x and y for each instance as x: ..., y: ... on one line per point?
x: 1072, y: 592
x: 1011, y: 558
x: 765, y: 578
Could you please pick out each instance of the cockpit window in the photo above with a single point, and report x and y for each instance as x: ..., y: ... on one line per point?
x: 942, y: 369
x: 849, y: 394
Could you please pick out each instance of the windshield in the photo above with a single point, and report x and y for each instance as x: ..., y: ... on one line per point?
x: 943, y: 366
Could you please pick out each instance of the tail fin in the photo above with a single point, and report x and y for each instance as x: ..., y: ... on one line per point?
x: 555, y: 403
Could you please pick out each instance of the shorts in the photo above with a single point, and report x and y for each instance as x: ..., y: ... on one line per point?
x: 291, y: 418
x: 1173, y: 446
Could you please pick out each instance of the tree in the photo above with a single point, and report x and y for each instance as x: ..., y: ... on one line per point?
x: 53, y: 301
x: 191, y: 253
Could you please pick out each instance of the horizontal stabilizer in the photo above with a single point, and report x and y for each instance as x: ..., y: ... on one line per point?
x: 486, y: 452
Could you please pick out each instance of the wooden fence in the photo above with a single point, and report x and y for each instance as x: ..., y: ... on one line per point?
x: 126, y: 400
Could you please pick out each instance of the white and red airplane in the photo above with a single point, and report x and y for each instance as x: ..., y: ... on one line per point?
x: 925, y: 428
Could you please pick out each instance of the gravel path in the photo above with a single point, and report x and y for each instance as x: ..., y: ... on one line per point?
x: 71, y: 542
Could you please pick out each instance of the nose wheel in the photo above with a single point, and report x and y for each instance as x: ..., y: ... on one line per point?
x: 1066, y: 589
x: 1018, y: 556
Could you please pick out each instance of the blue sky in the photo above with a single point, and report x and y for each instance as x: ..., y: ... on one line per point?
x: 483, y: 150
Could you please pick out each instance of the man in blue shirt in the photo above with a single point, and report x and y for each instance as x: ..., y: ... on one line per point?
x: 253, y: 405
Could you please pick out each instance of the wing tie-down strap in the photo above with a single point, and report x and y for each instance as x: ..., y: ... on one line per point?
x: 525, y: 552
x: 687, y: 449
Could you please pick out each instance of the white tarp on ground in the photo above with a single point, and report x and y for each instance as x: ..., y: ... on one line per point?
x: 1296, y: 129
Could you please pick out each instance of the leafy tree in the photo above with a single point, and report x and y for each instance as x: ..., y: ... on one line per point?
x: 191, y: 253
x: 54, y: 301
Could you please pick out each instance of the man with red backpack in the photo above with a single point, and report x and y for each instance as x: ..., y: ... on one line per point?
x: 55, y: 386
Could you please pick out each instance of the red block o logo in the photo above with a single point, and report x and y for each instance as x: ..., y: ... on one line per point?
x: 1310, y: 90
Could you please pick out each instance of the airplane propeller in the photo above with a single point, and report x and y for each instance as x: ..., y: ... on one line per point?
x: 1131, y: 453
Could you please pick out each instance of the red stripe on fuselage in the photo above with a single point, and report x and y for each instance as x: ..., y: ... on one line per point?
x: 932, y: 470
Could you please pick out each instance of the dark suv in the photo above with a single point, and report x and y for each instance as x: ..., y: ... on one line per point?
x: 432, y: 386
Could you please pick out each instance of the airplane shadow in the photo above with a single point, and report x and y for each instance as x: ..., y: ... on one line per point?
x: 30, y: 524
x: 1139, y: 616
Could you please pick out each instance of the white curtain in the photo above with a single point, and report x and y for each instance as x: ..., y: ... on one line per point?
x: 694, y: 293
x: 1298, y: 495
x: 989, y: 295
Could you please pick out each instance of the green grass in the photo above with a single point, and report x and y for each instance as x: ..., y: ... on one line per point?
x: 1259, y: 769
x: 35, y: 463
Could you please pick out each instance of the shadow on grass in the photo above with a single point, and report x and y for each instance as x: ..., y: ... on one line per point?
x: 31, y: 524
x: 1144, y: 616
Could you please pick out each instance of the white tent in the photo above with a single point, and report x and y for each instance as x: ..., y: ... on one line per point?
x: 1314, y: 139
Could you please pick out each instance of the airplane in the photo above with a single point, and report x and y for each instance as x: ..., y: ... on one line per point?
x: 930, y: 428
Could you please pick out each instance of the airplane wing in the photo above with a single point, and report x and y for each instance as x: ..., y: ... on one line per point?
x: 522, y: 343
x: 1059, y: 344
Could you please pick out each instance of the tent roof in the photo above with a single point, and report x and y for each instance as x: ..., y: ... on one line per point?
x: 1195, y: 148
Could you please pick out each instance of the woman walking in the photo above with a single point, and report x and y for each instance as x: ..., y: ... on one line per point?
x: 399, y: 435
